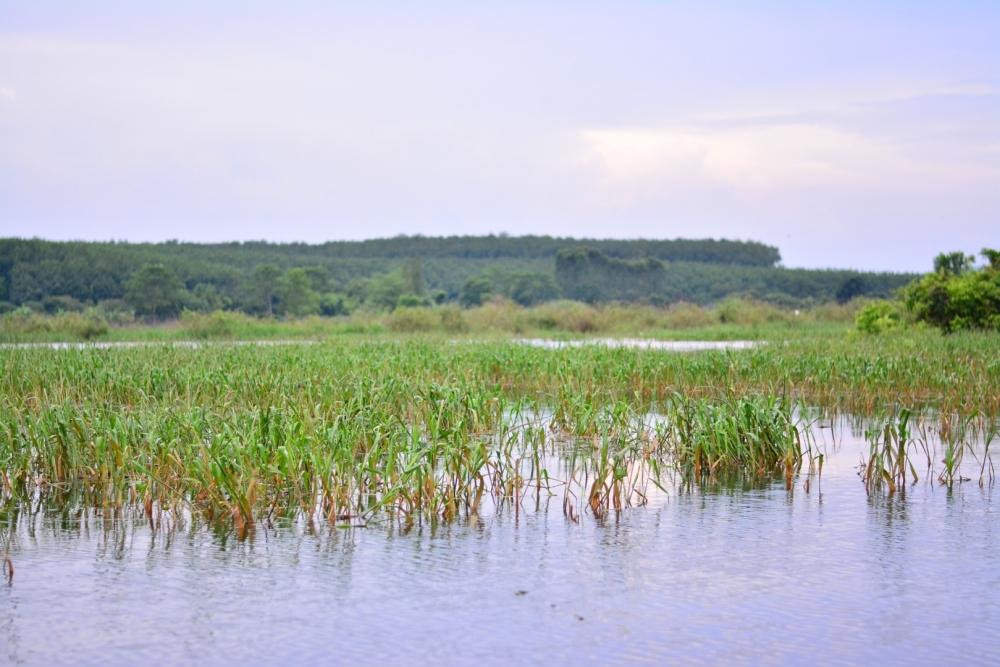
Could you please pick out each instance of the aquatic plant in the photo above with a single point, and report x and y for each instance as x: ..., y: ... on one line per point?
x: 889, y: 454
x: 353, y: 431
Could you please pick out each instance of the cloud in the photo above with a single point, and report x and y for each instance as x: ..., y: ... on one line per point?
x: 764, y: 158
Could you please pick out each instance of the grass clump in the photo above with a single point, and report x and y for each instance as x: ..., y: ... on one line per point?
x: 752, y: 434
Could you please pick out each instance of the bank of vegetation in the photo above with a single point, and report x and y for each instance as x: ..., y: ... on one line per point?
x: 159, y: 281
x: 729, y: 319
x: 956, y: 296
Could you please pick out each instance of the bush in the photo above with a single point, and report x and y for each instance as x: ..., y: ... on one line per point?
x: 955, y: 297
x: 743, y: 311
x: 412, y: 301
x: 64, y: 326
x: 475, y: 291
x: 116, y: 311
x: 688, y: 316
x: 497, y: 314
x: 333, y: 305
x: 82, y: 325
x: 61, y: 304
x: 452, y: 319
x: 877, y: 317
x: 408, y: 319
x: 217, y: 324
x: 564, y: 316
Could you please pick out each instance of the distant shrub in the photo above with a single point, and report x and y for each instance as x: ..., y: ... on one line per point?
x: 86, y: 325
x: 744, y: 311
x: 570, y: 316
x: 412, y: 301
x: 61, y: 304
x: 217, y: 324
x: 64, y: 326
x: 877, y: 317
x: 497, y: 314
x: 409, y: 319
x: 688, y: 316
x: 452, y: 319
x: 116, y: 311
x: 838, y: 312
x: 333, y: 305
x: 475, y: 291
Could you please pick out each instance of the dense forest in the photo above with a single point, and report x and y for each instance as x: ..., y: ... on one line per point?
x: 588, y: 275
x: 160, y: 280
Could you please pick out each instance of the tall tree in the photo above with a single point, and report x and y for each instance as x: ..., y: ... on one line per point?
x: 297, y: 295
x: 414, y: 276
x: 154, y: 291
x: 264, y: 287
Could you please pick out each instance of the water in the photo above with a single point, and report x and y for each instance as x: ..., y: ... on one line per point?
x: 130, y: 344
x: 631, y: 343
x: 642, y: 344
x: 728, y: 576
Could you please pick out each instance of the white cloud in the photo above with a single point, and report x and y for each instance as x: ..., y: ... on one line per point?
x: 763, y: 158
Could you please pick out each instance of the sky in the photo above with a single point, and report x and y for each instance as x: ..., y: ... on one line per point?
x: 848, y: 134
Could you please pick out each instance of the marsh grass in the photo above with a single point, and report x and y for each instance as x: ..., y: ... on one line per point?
x: 732, y: 318
x: 353, y: 432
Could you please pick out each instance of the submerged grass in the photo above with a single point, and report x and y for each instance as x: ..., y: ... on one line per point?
x: 353, y: 431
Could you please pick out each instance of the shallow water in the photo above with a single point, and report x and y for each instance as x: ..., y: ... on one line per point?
x: 643, y: 344
x: 735, y: 575
x: 129, y: 344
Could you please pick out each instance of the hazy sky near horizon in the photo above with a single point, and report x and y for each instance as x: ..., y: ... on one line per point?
x: 852, y: 134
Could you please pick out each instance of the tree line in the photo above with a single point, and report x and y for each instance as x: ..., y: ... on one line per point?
x: 162, y: 279
x: 586, y: 274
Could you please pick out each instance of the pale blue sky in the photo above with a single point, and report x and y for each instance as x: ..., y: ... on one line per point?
x: 856, y: 134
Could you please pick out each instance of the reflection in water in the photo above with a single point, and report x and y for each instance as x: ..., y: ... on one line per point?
x: 732, y: 572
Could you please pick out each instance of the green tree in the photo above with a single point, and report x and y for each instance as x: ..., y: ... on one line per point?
x: 413, y: 273
x: 955, y: 296
x: 384, y: 291
x: 319, y: 279
x: 297, y: 296
x: 331, y: 305
x: 264, y: 287
x: 205, y: 297
x: 531, y: 288
x: 155, y: 292
x: 475, y: 291
x: 851, y: 288
x: 953, y: 263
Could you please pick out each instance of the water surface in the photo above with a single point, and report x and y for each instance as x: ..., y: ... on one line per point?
x: 737, y: 574
x: 642, y: 344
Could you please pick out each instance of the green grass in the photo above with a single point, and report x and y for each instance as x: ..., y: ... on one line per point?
x: 732, y: 319
x: 429, y: 428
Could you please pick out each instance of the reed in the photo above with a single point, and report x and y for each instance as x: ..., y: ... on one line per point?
x: 352, y: 431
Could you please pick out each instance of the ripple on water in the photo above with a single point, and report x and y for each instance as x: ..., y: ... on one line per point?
x: 734, y: 576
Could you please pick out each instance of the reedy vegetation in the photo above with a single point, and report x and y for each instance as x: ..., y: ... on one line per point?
x: 732, y: 318
x: 355, y: 431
